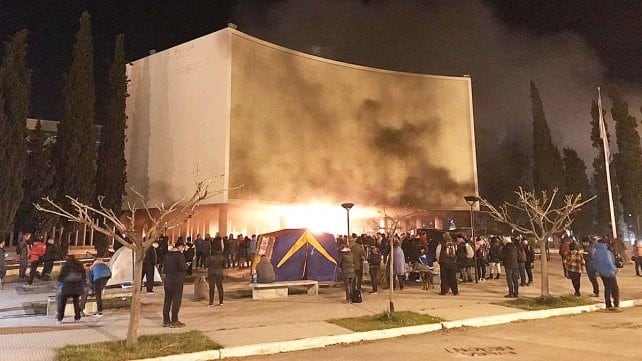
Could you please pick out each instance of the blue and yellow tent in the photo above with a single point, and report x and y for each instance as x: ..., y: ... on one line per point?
x: 297, y: 254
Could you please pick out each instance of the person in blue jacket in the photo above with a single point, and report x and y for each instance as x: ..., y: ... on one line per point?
x: 604, y: 263
x: 99, y: 274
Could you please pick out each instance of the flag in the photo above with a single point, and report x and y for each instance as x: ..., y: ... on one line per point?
x: 603, y: 134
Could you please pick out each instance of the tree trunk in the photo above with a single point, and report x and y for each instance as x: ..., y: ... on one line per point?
x: 136, y: 307
x: 544, y: 267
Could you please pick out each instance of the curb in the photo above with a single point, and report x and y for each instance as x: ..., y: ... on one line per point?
x: 323, y: 341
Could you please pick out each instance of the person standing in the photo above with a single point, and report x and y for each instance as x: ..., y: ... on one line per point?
x: 23, y: 252
x: 564, y: 249
x: 201, y: 257
x: 574, y: 262
x: 637, y: 257
x: 346, y: 264
x: 251, y: 249
x: 215, y: 266
x: 530, y: 259
x: 70, y: 284
x: 605, y: 265
x: 447, y: 259
x: 189, y: 256
x: 358, y: 257
x: 161, y: 251
x: 482, y: 259
x: 99, y: 274
x: 399, y: 259
x: 175, y: 267
x: 591, y: 271
x: 149, y: 266
x: 493, y: 258
x: 521, y: 262
x: 509, y: 257
x: 374, y: 264
x: 3, y: 263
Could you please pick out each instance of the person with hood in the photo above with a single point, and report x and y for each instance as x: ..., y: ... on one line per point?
x: 604, y: 262
x: 99, y: 274
x: 70, y: 284
x: 346, y: 264
x: 509, y: 257
x: 447, y: 258
x: 265, y: 271
x: 574, y: 262
x: 358, y: 256
x: 175, y: 267
x: 589, y: 264
x: 215, y: 265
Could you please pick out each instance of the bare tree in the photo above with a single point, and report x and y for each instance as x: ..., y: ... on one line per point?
x: 542, y: 218
x: 392, y: 225
x: 139, y: 235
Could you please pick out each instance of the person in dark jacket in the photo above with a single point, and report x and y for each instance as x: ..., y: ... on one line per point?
x: 23, y: 254
x: 521, y: 262
x: 509, y: 257
x: 99, y: 274
x: 591, y: 272
x: 51, y: 254
x: 358, y: 256
x: 161, y: 251
x: 374, y: 264
x: 447, y: 258
x: 189, y: 256
x: 346, y: 264
x: 493, y: 258
x: 70, y: 284
x: 149, y: 266
x: 530, y: 259
x: 201, y: 255
x: 175, y: 267
x: 215, y: 266
x: 3, y: 263
x: 604, y: 262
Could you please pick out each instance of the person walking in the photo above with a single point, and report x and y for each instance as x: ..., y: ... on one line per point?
x: 99, y: 274
x: 358, y: 257
x: 374, y: 264
x: 175, y: 267
x: 71, y: 280
x: 509, y: 257
x: 447, y: 258
x: 215, y: 266
x: 605, y: 265
x: 149, y: 266
x: 573, y: 263
x: 346, y: 264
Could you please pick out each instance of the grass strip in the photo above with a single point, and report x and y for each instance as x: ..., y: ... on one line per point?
x: 547, y: 302
x: 148, y: 346
x: 385, y: 320
x: 40, y: 308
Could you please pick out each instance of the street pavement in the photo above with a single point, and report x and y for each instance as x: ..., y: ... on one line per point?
x: 243, y: 321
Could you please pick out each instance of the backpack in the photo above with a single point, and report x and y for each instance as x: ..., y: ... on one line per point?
x: 449, y: 252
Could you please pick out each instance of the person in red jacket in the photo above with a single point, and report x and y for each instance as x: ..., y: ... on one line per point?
x: 38, y: 250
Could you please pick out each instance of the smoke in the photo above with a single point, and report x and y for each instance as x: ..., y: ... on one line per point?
x: 450, y: 38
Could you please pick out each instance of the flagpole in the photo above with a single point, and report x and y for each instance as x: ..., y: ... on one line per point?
x: 606, y: 161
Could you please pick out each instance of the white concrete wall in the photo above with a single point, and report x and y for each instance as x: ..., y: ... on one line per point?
x: 178, y: 118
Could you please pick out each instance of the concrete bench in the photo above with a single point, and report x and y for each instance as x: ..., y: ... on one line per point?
x: 52, y: 306
x: 280, y: 289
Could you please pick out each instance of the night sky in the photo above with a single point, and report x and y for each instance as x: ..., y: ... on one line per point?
x: 567, y: 47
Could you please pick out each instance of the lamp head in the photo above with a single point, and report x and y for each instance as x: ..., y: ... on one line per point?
x: 471, y: 200
x: 347, y: 206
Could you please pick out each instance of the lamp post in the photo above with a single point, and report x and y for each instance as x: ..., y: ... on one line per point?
x: 347, y: 207
x: 471, y: 200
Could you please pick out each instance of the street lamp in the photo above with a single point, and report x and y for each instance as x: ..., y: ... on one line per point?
x: 347, y: 207
x: 471, y: 200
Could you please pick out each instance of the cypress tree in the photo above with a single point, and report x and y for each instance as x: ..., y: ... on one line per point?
x: 111, y: 173
x: 15, y: 88
x: 628, y: 161
x: 75, y: 150
x: 38, y: 183
x: 548, y: 168
x: 576, y: 182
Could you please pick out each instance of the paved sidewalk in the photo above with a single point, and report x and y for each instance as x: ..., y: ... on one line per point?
x: 243, y: 321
